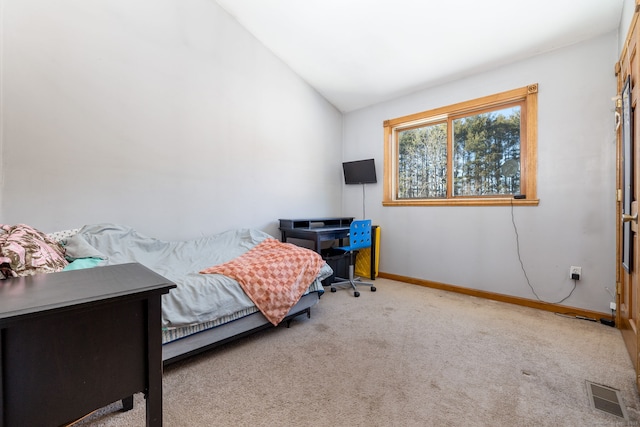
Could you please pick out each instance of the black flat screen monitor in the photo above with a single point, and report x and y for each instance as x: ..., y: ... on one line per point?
x: 359, y: 172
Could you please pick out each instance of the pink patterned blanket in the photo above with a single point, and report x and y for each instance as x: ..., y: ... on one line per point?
x: 273, y: 274
x: 25, y: 251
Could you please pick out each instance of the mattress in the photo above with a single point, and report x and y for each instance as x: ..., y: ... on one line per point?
x: 200, y: 301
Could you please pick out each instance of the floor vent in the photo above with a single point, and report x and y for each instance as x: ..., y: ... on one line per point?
x: 606, y: 399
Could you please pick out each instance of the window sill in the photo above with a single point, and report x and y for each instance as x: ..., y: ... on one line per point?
x: 464, y: 202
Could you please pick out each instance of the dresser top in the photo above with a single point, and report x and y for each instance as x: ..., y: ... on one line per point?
x: 22, y: 296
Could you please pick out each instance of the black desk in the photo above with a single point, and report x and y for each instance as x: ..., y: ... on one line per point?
x: 320, y: 230
x: 72, y: 342
x: 317, y: 230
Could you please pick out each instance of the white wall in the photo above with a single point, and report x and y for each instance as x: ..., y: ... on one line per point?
x: 164, y: 115
x: 628, y: 10
x: 167, y: 116
x: 475, y: 247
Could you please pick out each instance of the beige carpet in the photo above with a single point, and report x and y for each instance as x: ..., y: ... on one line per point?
x: 402, y: 356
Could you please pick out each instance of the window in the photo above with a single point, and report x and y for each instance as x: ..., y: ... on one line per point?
x: 479, y: 152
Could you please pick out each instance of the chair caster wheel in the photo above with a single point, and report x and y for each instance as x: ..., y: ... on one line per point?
x: 373, y: 289
x: 356, y: 294
x: 333, y: 289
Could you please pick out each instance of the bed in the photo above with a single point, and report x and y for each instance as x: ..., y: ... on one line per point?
x: 206, y: 308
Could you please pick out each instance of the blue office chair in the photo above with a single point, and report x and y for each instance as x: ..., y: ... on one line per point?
x: 359, y: 238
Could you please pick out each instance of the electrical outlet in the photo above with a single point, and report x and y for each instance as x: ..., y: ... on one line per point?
x: 575, y: 272
x: 612, y: 306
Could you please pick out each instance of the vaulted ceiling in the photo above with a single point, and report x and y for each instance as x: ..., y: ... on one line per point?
x: 360, y: 52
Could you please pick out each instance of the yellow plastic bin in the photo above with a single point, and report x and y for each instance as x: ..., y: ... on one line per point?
x: 368, y: 259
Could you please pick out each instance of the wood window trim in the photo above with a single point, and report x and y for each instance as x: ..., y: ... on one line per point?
x: 527, y: 94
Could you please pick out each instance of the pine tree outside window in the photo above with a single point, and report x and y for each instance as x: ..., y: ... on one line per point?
x: 479, y: 152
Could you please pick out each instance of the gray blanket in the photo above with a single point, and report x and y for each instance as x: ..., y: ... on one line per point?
x: 198, y: 297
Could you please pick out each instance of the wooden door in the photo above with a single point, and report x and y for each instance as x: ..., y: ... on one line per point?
x: 628, y: 194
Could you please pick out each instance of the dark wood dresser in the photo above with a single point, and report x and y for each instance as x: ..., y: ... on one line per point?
x: 72, y: 342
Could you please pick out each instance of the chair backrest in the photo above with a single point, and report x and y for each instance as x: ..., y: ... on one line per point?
x: 360, y: 234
